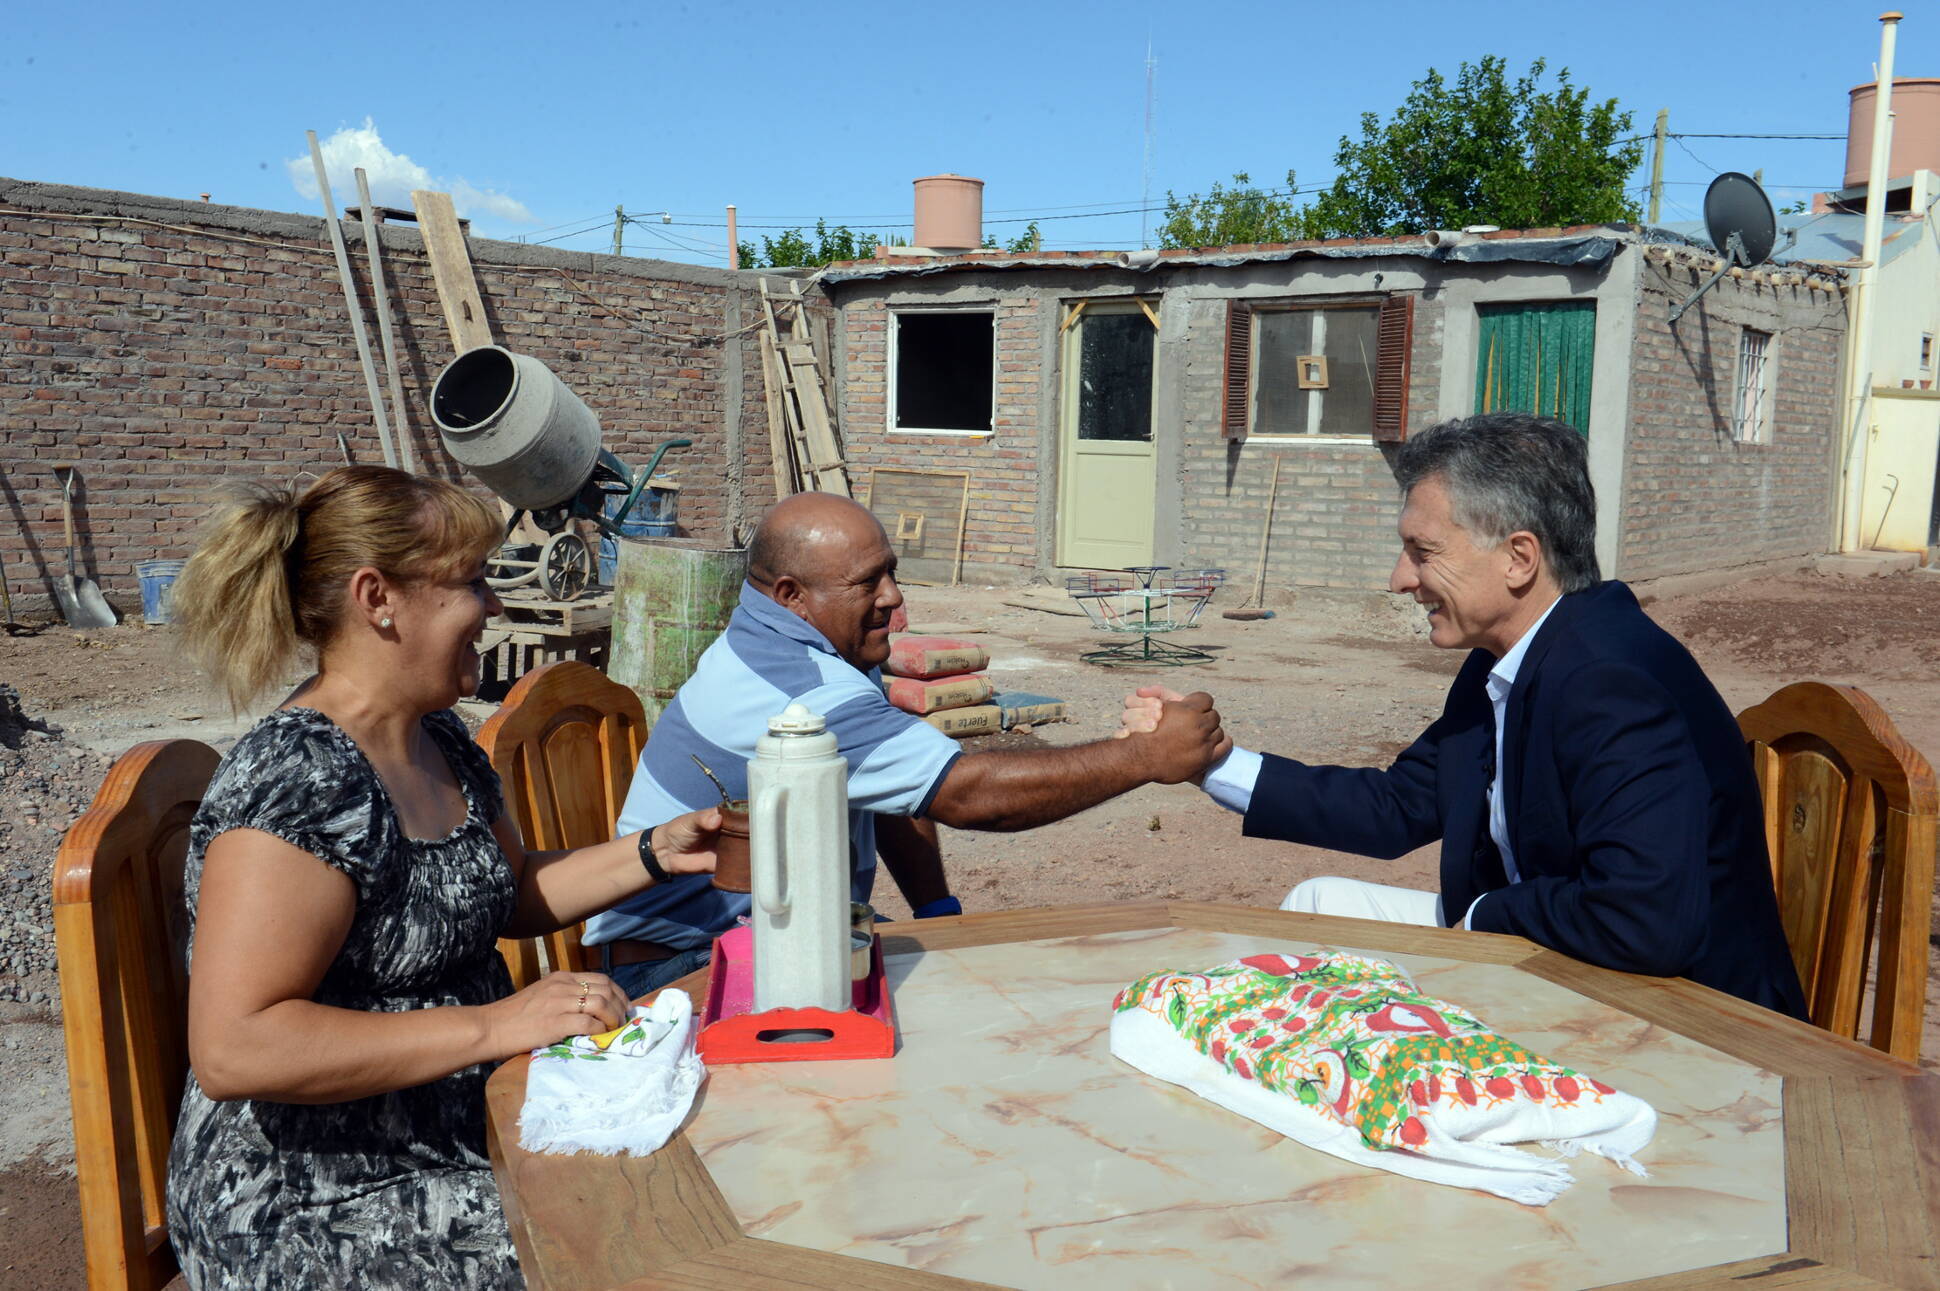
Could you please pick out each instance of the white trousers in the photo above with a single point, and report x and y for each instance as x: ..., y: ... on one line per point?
x: 1353, y: 899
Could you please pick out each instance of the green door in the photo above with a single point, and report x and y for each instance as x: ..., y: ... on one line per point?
x: 1537, y: 358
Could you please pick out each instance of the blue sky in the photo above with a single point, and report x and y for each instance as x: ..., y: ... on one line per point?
x: 542, y: 120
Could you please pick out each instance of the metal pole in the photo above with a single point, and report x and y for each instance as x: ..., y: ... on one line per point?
x: 1859, y: 370
x: 619, y: 224
x: 350, y: 299
x: 734, y: 248
x: 1657, y: 166
x: 382, y: 294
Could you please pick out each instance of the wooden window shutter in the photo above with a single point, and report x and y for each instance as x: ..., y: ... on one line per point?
x: 1393, y: 347
x: 1239, y: 367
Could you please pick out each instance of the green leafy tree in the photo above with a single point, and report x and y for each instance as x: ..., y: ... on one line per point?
x: 794, y: 249
x: 1243, y: 213
x: 1029, y: 240
x: 1482, y: 150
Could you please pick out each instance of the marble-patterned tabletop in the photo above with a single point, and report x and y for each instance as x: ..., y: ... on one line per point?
x: 1003, y: 1143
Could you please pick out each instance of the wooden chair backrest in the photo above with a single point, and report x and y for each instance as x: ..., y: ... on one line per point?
x: 120, y: 933
x: 564, y: 745
x: 1850, y: 813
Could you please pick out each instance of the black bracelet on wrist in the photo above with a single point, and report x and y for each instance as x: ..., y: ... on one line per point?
x: 651, y: 862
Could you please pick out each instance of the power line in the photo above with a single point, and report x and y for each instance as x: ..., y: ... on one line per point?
x: 1693, y: 156
x: 601, y: 224
x: 550, y: 227
x: 1021, y: 219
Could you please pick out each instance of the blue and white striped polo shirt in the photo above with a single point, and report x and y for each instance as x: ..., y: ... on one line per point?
x: 767, y: 658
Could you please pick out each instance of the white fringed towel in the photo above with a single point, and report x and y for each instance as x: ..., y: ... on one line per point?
x: 1342, y: 1054
x: 626, y: 1091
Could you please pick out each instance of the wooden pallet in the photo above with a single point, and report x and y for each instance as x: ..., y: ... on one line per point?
x: 538, y: 614
x: 509, y: 653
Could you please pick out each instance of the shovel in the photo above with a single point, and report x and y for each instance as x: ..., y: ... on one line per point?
x: 81, y: 602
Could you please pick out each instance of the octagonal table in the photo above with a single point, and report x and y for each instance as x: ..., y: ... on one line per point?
x: 1005, y: 1146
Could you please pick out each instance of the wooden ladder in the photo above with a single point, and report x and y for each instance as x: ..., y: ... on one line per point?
x: 803, y: 441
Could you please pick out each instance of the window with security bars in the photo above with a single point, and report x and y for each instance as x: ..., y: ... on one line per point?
x: 1751, y: 421
x: 1318, y: 367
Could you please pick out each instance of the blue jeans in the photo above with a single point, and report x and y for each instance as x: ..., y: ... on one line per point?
x: 639, y: 979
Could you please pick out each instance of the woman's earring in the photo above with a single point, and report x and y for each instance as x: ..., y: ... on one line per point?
x: 384, y: 623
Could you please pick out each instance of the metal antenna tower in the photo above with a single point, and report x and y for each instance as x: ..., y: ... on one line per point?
x: 1145, y: 190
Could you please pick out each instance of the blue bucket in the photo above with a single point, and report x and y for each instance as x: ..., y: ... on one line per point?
x: 652, y: 517
x: 157, y: 581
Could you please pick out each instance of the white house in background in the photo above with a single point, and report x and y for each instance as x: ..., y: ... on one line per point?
x: 1900, y: 503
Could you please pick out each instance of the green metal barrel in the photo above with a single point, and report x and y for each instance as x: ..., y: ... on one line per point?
x: 671, y: 598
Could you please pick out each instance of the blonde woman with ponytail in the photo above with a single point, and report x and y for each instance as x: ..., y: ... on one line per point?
x: 348, y: 876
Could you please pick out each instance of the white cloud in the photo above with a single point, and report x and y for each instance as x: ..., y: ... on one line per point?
x: 392, y: 176
x: 487, y: 202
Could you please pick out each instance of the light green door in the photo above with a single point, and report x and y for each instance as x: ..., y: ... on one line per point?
x: 1537, y: 358
x: 1107, y: 476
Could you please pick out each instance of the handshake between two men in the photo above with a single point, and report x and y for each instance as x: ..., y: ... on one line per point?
x: 1570, y: 778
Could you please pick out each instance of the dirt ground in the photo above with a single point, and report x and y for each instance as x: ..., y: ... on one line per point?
x: 1333, y: 677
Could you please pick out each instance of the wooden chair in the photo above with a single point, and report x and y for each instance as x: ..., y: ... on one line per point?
x: 564, y: 744
x: 1850, y: 813
x: 120, y: 932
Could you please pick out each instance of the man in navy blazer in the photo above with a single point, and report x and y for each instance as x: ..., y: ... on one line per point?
x: 1589, y: 786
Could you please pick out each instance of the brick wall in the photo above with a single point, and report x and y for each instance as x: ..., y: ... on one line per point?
x: 1000, y: 526
x: 1336, y: 507
x: 1695, y: 499
x: 167, y: 347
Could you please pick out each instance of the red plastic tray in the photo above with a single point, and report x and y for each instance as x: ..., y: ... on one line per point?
x: 732, y: 1032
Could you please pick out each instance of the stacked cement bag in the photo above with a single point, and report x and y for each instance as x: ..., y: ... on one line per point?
x: 938, y: 679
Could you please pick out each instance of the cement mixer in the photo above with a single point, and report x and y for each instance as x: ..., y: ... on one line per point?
x: 512, y: 423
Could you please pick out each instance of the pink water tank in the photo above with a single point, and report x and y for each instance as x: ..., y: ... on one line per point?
x: 1916, y: 129
x: 949, y: 212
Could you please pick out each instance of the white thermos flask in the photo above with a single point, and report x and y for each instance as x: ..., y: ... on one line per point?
x: 798, y: 843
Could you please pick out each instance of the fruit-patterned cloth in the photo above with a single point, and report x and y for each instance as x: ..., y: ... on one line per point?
x: 1343, y: 1054
x: 627, y: 1090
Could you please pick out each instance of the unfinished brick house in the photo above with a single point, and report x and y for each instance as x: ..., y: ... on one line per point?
x: 1126, y: 409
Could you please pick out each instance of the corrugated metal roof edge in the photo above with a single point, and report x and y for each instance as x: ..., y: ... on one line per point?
x: 1591, y: 244
x: 1662, y: 235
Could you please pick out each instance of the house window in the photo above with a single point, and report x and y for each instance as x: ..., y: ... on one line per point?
x: 1333, y: 368
x: 1751, y: 397
x: 941, y: 373
x: 1926, y: 351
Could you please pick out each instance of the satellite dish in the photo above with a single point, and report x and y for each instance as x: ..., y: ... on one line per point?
x: 1740, y: 219
x: 1743, y: 227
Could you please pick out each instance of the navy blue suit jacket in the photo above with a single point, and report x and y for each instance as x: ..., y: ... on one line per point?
x: 1633, y: 815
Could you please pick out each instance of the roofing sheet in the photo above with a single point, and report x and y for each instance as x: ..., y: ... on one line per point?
x: 1590, y: 248
x: 1830, y: 237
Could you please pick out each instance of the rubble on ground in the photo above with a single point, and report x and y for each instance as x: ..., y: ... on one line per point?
x: 45, y: 783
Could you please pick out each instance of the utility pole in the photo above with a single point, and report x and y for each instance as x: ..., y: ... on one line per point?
x: 619, y: 227
x: 1859, y: 366
x: 1657, y: 166
x: 734, y: 247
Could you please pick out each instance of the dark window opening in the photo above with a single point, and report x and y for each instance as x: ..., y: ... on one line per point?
x: 1115, y: 371
x: 943, y: 371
